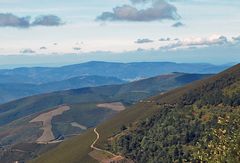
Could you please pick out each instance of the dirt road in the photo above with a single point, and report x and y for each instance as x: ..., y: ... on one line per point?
x: 98, y: 149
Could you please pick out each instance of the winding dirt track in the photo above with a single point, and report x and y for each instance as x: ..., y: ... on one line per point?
x: 98, y: 149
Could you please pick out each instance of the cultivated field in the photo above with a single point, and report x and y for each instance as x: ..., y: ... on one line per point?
x: 46, y: 119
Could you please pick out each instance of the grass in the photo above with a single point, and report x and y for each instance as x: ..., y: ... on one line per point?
x: 77, y: 149
x: 84, y: 114
x: 74, y: 150
x: 23, y: 150
x: 20, y: 131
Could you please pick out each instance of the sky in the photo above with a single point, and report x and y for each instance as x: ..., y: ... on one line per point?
x: 65, y: 32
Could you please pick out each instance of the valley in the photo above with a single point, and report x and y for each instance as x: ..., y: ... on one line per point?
x: 169, y: 113
x: 83, y: 109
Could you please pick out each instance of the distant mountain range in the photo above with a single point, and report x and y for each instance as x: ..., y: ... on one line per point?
x: 23, y: 82
x: 124, y: 71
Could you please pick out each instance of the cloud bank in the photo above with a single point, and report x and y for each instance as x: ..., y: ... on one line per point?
x: 198, y: 43
x: 11, y: 20
x: 47, y: 20
x: 159, y: 10
x: 236, y: 38
x: 27, y: 51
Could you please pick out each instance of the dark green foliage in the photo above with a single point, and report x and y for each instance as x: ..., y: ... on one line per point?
x: 173, y: 133
x: 164, y: 136
x: 211, y: 93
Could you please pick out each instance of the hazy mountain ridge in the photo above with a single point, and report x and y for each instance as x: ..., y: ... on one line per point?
x: 22, y: 82
x: 122, y: 71
x: 12, y: 91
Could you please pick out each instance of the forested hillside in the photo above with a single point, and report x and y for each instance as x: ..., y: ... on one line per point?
x: 199, y: 122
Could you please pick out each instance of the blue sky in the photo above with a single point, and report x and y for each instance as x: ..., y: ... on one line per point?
x: 131, y: 31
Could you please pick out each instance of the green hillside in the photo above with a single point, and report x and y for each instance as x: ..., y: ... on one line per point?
x: 11, y: 90
x: 126, y: 93
x: 15, y: 116
x: 178, y: 126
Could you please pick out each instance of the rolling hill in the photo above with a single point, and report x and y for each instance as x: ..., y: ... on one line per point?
x: 124, y: 71
x: 87, y: 109
x: 22, y: 82
x: 197, y: 122
x: 126, y: 93
x: 11, y: 91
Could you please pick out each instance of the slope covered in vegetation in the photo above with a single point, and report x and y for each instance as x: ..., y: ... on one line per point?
x: 15, y: 116
x: 199, y: 122
x: 127, y: 93
x: 178, y: 126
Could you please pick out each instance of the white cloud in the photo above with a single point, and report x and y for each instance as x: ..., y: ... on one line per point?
x: 198, y: 42
x: 236, y: 38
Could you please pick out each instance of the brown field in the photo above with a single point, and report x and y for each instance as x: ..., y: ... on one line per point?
x: 46, y: 119
x: 116, y: 106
